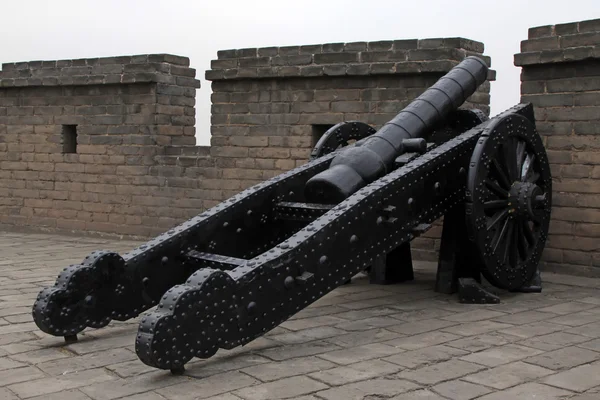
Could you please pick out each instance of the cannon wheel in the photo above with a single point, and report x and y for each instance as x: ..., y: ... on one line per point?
x: 509, y: 198
x: 341, y: 135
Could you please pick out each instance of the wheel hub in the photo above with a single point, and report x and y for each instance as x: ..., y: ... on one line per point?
x: 522, y: 199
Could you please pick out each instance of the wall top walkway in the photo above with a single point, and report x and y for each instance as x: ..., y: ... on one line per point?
x: 345, y: 59
x: 146, y: 68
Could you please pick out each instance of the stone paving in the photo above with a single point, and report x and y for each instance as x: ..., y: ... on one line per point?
x: 401, y: 342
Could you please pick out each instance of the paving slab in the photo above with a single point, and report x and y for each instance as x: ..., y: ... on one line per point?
x: 400, y: 342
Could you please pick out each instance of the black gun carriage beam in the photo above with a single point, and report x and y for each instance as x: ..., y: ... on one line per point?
x: 224, y: 309
x: 241, y: 268
x: 106, y: 286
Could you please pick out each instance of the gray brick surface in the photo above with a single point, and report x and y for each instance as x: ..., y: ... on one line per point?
x: 374, y: 388
x: 440, y: 372
x: 355, y: 372
x: 577, y: 379
x: 460, y: 390
x: 494, y: 355
x: 501, y: 355
x: 530, y: 391
x: 564, y: 358
x: 508, y: 375
x: 281, y: 389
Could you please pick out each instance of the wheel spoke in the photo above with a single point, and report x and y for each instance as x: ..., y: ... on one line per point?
x: 511, y: 159
x: 496, y: 188
x: 533, y: 178
x: 521, y: 154
x: 523, y: 245
x: 509, y: 241
x: 527, y: 233
x: 527, y: 167
x: 499, y: 216
x: 498, y: 238
x: 502, y: 178
x: 513, y: 255
x: 507, y: 230
x: 495, y: 204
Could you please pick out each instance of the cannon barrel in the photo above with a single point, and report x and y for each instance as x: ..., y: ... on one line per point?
x: 374, y: 157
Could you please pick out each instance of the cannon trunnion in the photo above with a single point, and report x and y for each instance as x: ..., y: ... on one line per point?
x: 239, y: 269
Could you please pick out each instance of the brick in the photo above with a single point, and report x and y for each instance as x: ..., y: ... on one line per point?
x: 383, y: 56
x: 582, y: 229
x: 312, y: 107
x: 293, y: 60
x: 528, y: 58
x: 254, y: 62
x: 7, y: 395
x: 589, y: 26
x: 229, y: 151
x: 534, y: 87
x: 311, y: 49
x: 271, y: 152
x: 383, y: 94
x: 16, y: 375
x: 273, y: 371
x: 576, y: 171
x: 576, y: 214
x: 355, y: 46
x: 586, y: 99
x: 334, y: 70
x: 333, y: 47
x: 242, y: 174
x: 508, y: 375
x: 539, y: 44
x: 418, y: 358
x: 355, y: 372
x: 541, y: 31
x: 351, y: 106
x: 579, y: 40
x: 335, y: 58
x: 249, y: 119
x: 379, y: 388
x: 435, y: 54
x: 564, y: 358
x: 320, y: 119
x: 582, y: 84
x: 380, y: 45
x: 549, y: 100
x: 248, y: 141
x: 573, y: 113
x: 573, y: 142
x: 460, y: 390
x: 577, y: 379
x: 210, y: 386
x: 586, y: 157
x: 406, y: 44
x: 291, y: 141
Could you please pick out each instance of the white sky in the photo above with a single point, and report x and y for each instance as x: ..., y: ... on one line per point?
x: 64, y: 29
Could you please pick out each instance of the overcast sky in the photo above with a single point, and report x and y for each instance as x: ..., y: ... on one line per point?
x: 64, y: 29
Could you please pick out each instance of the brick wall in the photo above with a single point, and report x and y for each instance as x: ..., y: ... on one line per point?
x: 269, y: 105
x: 136, y: 169
x: 126, y: 112
x: 561, y: 77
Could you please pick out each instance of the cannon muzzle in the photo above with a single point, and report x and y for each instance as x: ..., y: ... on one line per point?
x: 362, y: 164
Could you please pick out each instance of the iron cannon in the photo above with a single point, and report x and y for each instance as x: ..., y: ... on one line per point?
x: 239, y: 269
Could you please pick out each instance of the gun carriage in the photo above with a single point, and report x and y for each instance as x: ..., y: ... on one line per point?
x: 239, y: 269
